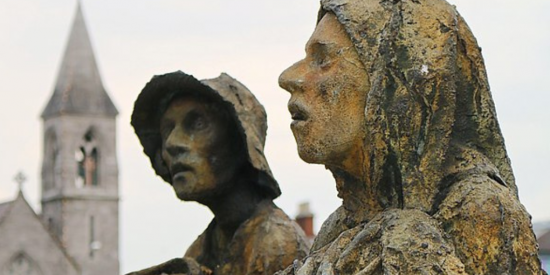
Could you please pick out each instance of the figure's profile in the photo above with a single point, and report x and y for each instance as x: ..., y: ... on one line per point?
x: 393, y: 98
x: 206, y: 139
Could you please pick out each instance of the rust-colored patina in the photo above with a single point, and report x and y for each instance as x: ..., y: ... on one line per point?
x: 206, y: 138
x: 393, y: 98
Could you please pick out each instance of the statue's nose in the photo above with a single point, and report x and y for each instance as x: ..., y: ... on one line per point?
x: 177, y: 143
x: 291, y: 79
x: 176, y: 150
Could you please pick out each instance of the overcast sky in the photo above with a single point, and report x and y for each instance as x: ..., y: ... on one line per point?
x: 253, y: 41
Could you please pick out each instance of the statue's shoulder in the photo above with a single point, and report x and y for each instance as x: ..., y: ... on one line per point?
x: 271, y: 229
x: 198, y: 246
x: 488, y: 225
x: 332, y: 227
x: 268, y: 240
x: 396, y: 241
x: 481, y: 196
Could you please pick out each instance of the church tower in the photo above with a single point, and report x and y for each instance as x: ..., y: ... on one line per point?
x: 80, y: 193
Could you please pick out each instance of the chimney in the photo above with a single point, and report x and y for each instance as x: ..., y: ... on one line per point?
x: 305, y: 220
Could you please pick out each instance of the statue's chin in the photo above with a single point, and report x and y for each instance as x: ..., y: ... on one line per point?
x: 185, y: 196
x: 311, y: 156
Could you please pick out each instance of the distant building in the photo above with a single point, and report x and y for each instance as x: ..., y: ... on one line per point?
x: 28, y: 247
x: 542, y: 230
x: 305, y: 221
x: 78, y: 229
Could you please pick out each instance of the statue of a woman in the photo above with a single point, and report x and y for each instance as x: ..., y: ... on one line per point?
x: 393, y: 98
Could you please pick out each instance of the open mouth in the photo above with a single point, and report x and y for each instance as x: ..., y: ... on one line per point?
x: 179, y: 169
x: 298, y: 116
x: 297, y: 113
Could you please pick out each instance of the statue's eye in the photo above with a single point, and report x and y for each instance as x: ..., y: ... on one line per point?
x: 200, y: 123
x: 324, y: 63
x: 196, y: 121
x: 321, y: 57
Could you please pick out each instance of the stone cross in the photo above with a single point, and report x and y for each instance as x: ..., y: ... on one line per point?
x: 20, y: 178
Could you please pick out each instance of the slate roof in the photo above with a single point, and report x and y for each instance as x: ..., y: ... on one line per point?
x: 79, y: 89
x: 4, y: 208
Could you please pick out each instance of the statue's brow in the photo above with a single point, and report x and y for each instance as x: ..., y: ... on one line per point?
x: 321, y: 44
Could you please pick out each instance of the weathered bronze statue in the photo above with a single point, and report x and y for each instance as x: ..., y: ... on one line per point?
x: 393, y: 98
x: 206, y: 138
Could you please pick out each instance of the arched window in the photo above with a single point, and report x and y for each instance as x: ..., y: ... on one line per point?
x: 87, y: 158
x: 21, y: 264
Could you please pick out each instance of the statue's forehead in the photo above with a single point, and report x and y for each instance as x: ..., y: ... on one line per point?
x: 328, y: 33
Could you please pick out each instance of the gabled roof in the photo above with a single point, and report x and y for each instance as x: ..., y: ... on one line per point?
x: 79, y: 89
x: 6, y: 209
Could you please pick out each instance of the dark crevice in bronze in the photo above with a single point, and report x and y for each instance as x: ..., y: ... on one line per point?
x: 390, y: 187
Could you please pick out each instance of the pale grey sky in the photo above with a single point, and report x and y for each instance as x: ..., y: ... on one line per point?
x: 253, y: 41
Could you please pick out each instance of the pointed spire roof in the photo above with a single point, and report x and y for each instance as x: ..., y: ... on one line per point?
x: 79, y: 89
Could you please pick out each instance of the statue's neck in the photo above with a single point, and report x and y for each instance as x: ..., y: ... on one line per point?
x: 361, y: 199
x: 234, y: 206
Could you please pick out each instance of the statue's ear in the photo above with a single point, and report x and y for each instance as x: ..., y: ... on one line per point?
x: 160, y: 167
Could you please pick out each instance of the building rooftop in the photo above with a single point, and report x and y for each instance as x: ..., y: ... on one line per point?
x: 4, y: 207
x: 79, y: 89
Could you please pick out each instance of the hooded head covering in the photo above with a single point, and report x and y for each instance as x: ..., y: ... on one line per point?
x: 224, y: 90
x: 429, y: 112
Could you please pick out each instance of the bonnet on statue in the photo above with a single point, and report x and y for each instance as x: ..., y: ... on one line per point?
x: 245, y: 109
x: 429, y: 113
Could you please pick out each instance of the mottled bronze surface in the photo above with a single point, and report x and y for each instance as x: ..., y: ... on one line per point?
x: 393, y: 98
x: 206, y: 139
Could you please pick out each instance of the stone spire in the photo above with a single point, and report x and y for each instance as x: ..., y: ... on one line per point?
x: 79, y: 89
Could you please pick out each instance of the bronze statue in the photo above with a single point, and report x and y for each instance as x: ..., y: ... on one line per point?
x: 206, y: 138
x: 393, y: 98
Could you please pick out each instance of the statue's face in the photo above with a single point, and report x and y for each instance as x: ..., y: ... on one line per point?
x: 200, y: 149
x: 328, y: 93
